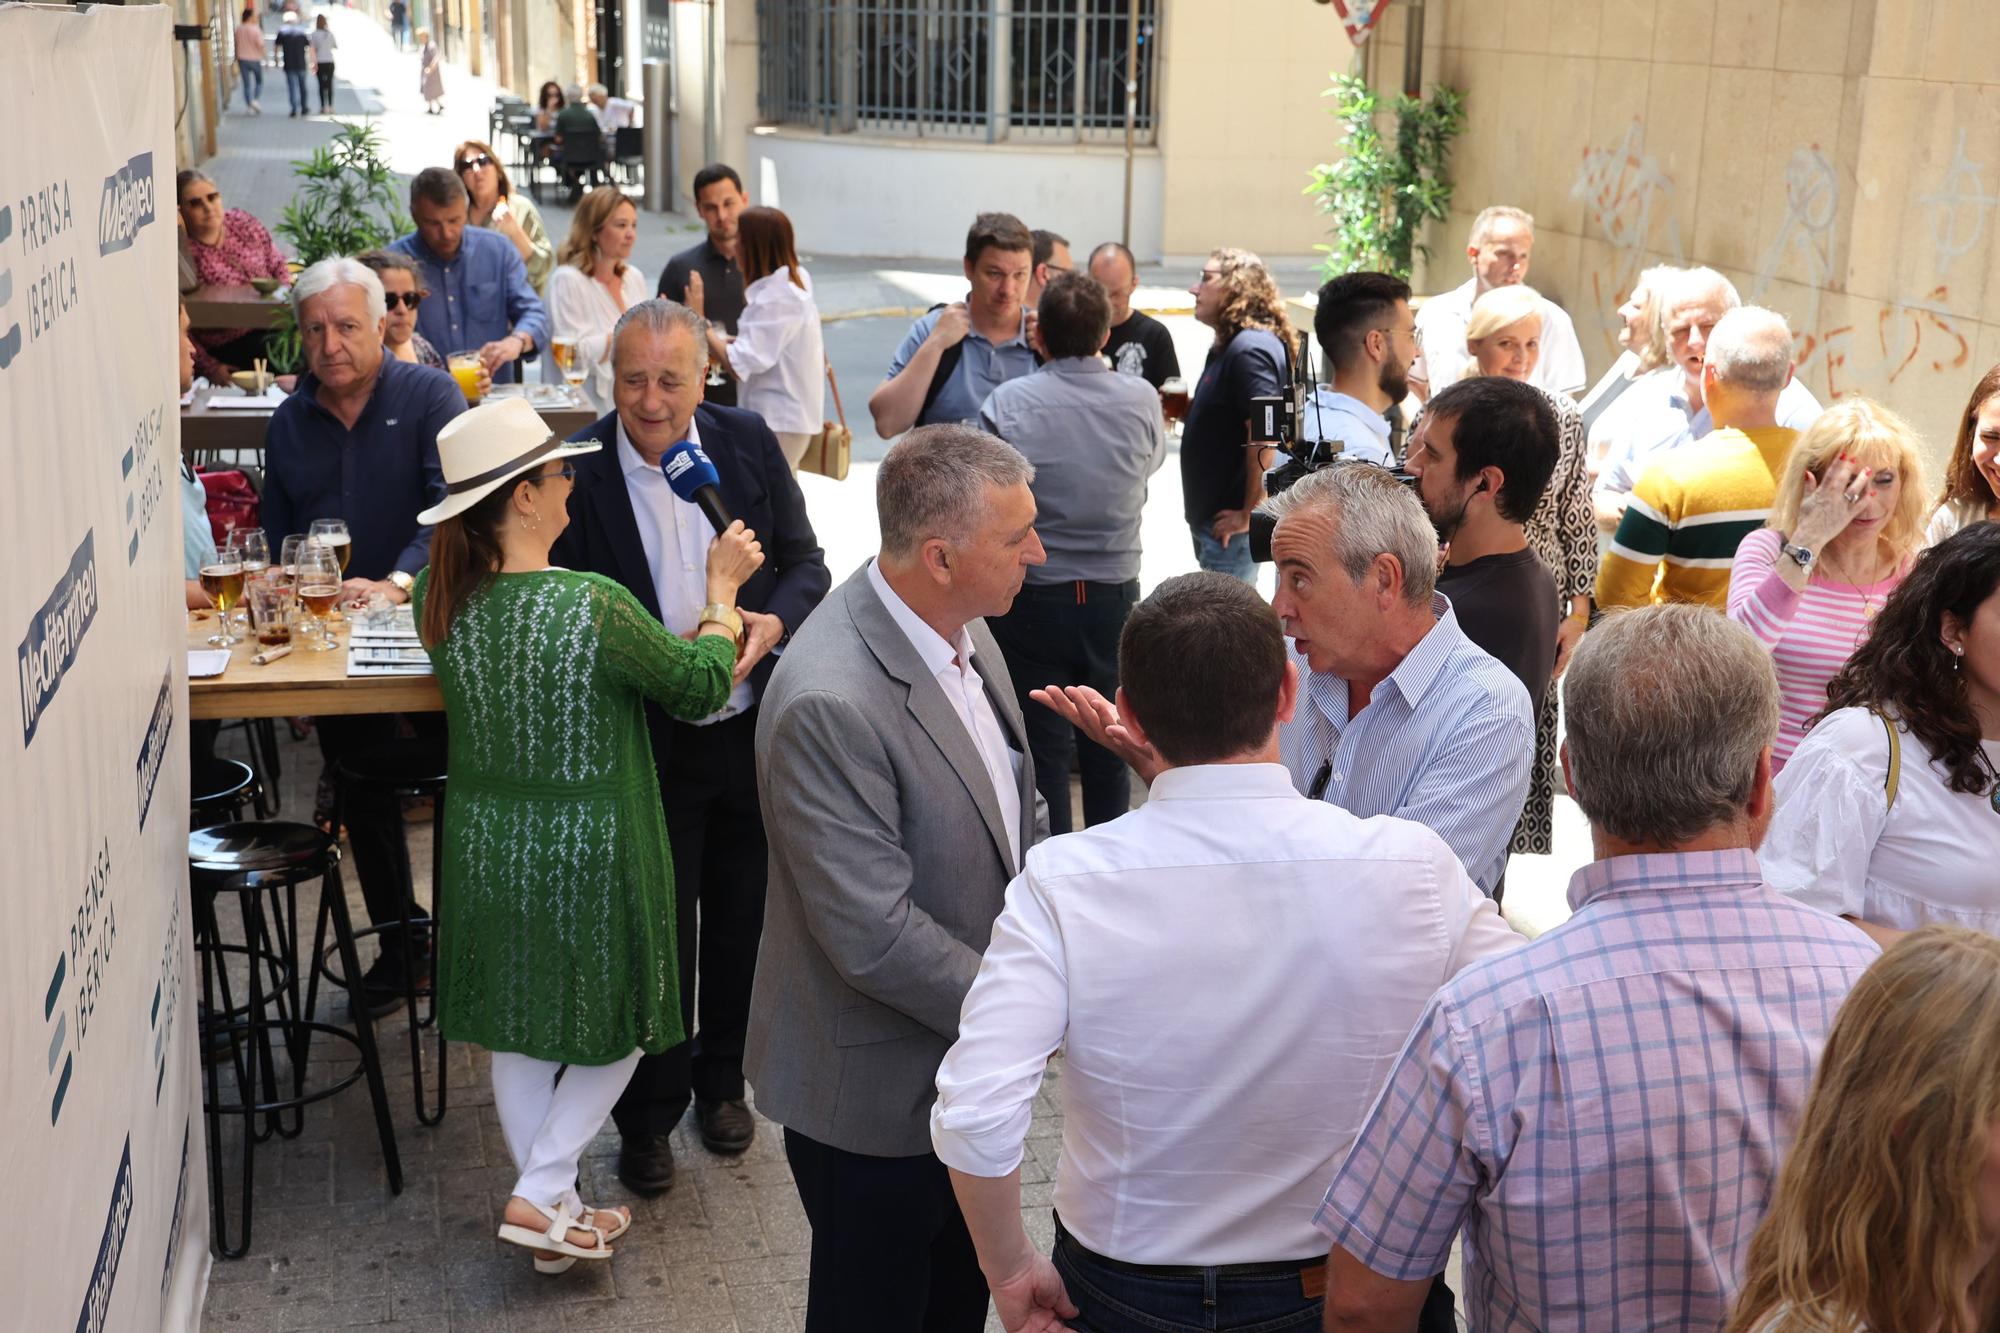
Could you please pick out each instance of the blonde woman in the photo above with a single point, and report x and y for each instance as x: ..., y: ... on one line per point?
x: 1251, y: 358
x: 1642, y: 334
x: 1503, y: 338
x: 1846, y: 524
x: 495, y: 206
x: 593, y: 285
x: 1972, y: 477
x: 1886, y: 1215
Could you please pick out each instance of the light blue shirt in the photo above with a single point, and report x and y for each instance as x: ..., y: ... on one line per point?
x: 1654, y: 415
x: 197, y: 537
x: 481, y: 296
x: 1446, y: 739
x: 982, y: 367
x: 1363, y: 433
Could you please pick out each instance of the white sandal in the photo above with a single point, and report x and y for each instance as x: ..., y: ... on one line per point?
x: 553, y: 1264
x: 555, y: 1241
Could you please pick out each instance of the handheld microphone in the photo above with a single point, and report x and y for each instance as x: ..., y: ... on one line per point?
x: 694, y: 479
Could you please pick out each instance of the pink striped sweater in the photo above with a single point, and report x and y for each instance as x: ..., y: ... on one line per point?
x: 1811, y: 634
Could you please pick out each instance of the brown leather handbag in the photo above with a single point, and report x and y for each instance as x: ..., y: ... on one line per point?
x: 829, y: 451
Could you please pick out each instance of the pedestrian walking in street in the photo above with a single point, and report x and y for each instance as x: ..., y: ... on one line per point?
x: 250, y: 60
x: 399, y: 23
x: 430, y: 61
x: 323, y: 47
x: 295, y: 52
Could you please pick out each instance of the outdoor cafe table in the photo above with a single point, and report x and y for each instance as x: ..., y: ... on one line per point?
x: 300, y: 684
x: 234, y: 307
x: 207, y: 431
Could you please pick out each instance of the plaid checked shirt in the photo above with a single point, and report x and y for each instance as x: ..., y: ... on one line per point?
x: 1604, y: 1110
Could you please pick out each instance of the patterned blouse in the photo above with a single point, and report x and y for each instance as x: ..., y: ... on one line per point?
x: 245, y: 251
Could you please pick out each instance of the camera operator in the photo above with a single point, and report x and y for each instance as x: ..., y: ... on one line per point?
x: 1401, y: 713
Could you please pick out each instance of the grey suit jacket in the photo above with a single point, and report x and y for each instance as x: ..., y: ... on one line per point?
x: 888, y: 865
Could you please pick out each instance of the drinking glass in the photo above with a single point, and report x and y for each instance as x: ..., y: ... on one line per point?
x: 332, y: 534
x: 318, y: 591
x: 272, y: 601
x: 567, y: 360
x: 288, y: 558
x: 222, y: 580
x: 464, y: 367
x: 254, y: 551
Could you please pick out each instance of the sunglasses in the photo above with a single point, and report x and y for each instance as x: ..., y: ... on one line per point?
x: 479, y: 161
x: 407, y: 299
x: 567, y: 473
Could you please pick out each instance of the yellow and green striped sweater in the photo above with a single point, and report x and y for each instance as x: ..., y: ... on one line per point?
x: 1688, y: 513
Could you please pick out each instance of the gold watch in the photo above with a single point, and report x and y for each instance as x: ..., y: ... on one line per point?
x: 725, y: 616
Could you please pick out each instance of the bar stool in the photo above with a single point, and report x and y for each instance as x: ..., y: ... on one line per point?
x: 405, y: 771
x: 218, y: 789
x: 253, y: 861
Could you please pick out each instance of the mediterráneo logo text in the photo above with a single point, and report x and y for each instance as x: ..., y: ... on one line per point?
x: 127, y: 205
x: 54, y: 634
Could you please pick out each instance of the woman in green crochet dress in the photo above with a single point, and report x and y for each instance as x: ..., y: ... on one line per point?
x: 556, y: 928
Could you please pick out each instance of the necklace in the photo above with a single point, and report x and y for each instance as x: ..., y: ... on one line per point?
x: 1868, y: 599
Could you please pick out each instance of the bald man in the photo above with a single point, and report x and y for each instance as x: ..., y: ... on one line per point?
x: 1693, y: 505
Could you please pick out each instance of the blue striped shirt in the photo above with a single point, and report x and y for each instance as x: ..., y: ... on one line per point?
x: 1446, y: 740
x: 1602, y: 1111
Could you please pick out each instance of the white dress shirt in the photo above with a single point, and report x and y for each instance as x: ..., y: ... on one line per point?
x: 1441, y: 325
x: 951, y: 665
x: 1232, y: 970
x: 617, y: 113
x: 1836, y: 844
x: 676, y: 536
x: 778, y: 354
x: 581, y: 311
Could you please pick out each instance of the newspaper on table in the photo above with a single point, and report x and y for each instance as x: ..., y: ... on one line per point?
x: 385, y: 643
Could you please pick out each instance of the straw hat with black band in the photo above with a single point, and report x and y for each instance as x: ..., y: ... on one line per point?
x: 489, y: 445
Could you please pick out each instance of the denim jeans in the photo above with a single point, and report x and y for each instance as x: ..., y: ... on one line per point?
x: 1233, y: 559
x: 253, y: 80
x: 1112, y: 1300
x: 295, y: 89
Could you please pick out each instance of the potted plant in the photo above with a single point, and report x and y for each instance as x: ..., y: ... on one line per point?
x: 347, y: 202
x: 1380, y: 194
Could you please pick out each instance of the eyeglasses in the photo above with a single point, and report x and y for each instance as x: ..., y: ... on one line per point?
x: 407, y: 299
x: 568, y: 473
x: 481, y: 160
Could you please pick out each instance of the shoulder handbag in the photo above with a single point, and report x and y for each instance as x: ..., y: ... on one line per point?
x: 1895, y: 778
x: 828, y: 451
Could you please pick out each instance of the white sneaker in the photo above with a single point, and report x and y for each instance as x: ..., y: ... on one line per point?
x: 256, y: 110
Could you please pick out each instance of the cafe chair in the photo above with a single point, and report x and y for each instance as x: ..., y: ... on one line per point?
x: 628, y: 154
x: 579, y: 160
x: 262, y: 863
x: 407, y: 771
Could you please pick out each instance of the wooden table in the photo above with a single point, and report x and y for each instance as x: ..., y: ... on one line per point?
x: 206, y: 431
x: 235, y: 307
x: 302, y: 684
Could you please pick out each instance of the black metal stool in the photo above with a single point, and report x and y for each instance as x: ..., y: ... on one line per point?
x: 253, y: 860
x: 260, y: 735
x: 405, y: 771
x: 218, y: 789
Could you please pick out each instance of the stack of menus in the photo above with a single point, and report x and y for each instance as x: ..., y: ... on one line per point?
x: 384, y: 643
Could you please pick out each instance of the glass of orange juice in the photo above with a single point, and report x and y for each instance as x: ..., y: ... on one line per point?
x: 465, y: 369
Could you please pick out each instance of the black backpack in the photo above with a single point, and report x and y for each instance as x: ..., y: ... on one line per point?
x: 945, y: 366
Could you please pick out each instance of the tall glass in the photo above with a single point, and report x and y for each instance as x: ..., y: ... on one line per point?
x: 464, y: 367
x: 254, y: 552
x: 288, y: 558
x: 332, y: 534
x: 318, y: 592
x: 222, y: 580
x: 272, y: 603
x: 567, y: 360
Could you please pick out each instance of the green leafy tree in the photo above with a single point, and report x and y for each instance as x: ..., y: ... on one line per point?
x: 1379, y: 194
x: 348, y: 201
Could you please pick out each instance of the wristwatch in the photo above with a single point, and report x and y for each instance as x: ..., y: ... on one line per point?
x: 724, y: 616
x: 402, y: 581
x: 1802, y: 556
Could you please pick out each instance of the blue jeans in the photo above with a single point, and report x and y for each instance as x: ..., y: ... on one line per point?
x: 1233, y: 559
x: 1267, y: 1298
x: 295, y: 89
x: 253, y: 80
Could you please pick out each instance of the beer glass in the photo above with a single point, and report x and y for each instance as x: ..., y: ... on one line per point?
x: 318, y: 592
x: 332, y: 534
x: 254, y: 551
x: 568, y: 360
x: 222, y: 580
x: 1174, y: 400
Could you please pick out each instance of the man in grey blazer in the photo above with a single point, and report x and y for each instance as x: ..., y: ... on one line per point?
x: 899, y: 802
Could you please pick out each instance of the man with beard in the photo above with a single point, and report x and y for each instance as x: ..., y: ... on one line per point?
x: 1482, y: 459
x: 1369, y: 338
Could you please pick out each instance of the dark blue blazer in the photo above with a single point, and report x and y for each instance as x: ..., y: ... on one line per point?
x: 757, y: 486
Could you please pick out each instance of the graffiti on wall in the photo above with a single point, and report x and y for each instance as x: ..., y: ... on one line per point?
x: 1628, y: 198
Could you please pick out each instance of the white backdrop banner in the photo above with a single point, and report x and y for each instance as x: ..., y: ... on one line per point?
x: 102, y: 1124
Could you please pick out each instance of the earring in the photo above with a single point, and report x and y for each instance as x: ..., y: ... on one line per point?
x: 1957, y: 658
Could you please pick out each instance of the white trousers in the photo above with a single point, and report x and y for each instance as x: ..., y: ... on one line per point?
x: 549, y: 1124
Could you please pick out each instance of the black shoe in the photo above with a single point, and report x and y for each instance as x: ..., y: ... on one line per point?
x: 646, y: 1164
x: 381, y: 989
x: 726, y: 1126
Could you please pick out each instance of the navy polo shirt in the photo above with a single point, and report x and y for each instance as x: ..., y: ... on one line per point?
x: 378, y: 476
